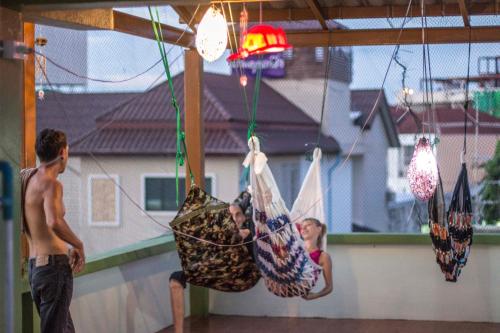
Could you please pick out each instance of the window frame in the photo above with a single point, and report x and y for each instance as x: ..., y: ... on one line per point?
x: 116, y: 182
x: 210, y: 175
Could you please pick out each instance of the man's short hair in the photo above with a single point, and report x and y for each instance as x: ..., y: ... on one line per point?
x: 49, y: 143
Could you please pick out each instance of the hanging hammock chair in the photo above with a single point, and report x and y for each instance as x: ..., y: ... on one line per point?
x: 440, y: 236
x: 284, y: 263
x: 223, y: 268
x: 309, y: 202
x: 460, y: 220
x: 451, y: 232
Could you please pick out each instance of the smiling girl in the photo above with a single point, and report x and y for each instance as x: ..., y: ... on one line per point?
x: 313, y: 231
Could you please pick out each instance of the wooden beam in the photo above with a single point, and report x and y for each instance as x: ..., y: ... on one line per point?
x: 464, y: 12
x: 488, y: 34
x: 108, y: 19
x: 363, y: 12
x: 87, y: 19
x: 140, y: 27
x: 316, y: 11
x: 193, y: 91
x: 185, y: 15
x: 90, y: 4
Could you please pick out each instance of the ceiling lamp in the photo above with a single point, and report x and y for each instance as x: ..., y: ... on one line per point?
x: 261, y: 39
x: 211, y: 37
x: 423, y: 171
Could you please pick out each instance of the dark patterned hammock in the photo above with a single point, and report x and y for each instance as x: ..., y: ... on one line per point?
x: 208, y: 265
x: 451, y: 232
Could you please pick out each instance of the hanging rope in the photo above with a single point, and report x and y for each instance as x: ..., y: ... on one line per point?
x: 325, y: 88
x: 466, y: 101
x: 180, y: 135
x: 255, y: 101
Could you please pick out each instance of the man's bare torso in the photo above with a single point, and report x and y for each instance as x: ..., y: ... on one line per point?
x: 42, y: 239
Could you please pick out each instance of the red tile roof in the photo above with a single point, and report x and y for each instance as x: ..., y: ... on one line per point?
x: 449, y: 120
x: 145, y: 123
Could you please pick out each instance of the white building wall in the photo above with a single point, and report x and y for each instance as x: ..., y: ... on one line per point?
x: 307, y: 95
x: 385, y: 282
x: 134, y: 224
x: 340, y: 196
x: 373, y: 187
x: 72, y: 188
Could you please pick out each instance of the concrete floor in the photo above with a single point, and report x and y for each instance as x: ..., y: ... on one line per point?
x: 230, y: 324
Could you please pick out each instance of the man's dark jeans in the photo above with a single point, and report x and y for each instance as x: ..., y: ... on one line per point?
x: 52, y: 289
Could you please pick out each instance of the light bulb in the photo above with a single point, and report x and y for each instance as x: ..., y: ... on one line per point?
x: 211, y: 37
x: 243, y: 80
x: 422, y: 171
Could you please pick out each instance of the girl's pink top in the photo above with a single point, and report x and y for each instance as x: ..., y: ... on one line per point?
x: 315, y: 255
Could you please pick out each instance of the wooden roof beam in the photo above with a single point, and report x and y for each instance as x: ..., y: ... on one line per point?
x: 464, y: 12
x: 185, y: 15
x: 108, y: 19
x: 140, y: 27
x: 316, y: 10
x: 358, y: 37
x: 335, y: 13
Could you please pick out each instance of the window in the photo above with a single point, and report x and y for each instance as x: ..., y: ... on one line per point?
x: 159, y: 192
x: 319, y: 54
x: 103, y: 200
x: 406, y: 154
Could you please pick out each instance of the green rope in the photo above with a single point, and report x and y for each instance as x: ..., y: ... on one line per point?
x: 256, y: 93
x: 180, y: 135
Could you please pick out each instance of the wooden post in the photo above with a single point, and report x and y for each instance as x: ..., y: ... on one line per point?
x: 11, y: 141
x: 30, y: 319
x: 193, y: 90
x: 28, y: 159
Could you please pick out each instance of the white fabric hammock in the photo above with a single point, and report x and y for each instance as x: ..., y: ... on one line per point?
x: 309, y: 202
x: 280, y: 254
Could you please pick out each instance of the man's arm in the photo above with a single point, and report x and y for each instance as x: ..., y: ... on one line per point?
x: 54, y: 215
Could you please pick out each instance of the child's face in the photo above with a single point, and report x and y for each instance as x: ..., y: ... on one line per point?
x: 237, y: 215
x: 309, y: 230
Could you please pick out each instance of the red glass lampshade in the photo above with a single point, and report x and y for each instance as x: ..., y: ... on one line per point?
x: 261, y: 39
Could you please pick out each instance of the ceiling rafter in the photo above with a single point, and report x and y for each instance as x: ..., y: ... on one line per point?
x: 464, y: 12
x: 316, y: 10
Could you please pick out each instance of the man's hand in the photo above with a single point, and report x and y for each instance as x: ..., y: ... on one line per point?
x: 77, y: 259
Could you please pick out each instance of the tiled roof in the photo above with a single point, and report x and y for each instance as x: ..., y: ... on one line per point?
x: 449, y: 120
x: 144, y: 124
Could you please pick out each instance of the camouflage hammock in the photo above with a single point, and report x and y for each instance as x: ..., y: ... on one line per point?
x: 208, y: 265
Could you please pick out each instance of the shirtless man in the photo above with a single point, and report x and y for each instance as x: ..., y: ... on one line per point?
x: 55, y: 251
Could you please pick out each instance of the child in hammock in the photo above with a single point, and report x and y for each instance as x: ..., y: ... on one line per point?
x: 241, y: 213
x: 313, y: 231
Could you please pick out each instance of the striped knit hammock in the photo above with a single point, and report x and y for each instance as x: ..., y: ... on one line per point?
x: 451, y: 232
x: 280, y: 254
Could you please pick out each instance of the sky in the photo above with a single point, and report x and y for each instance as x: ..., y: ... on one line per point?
x: 116, y: 56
